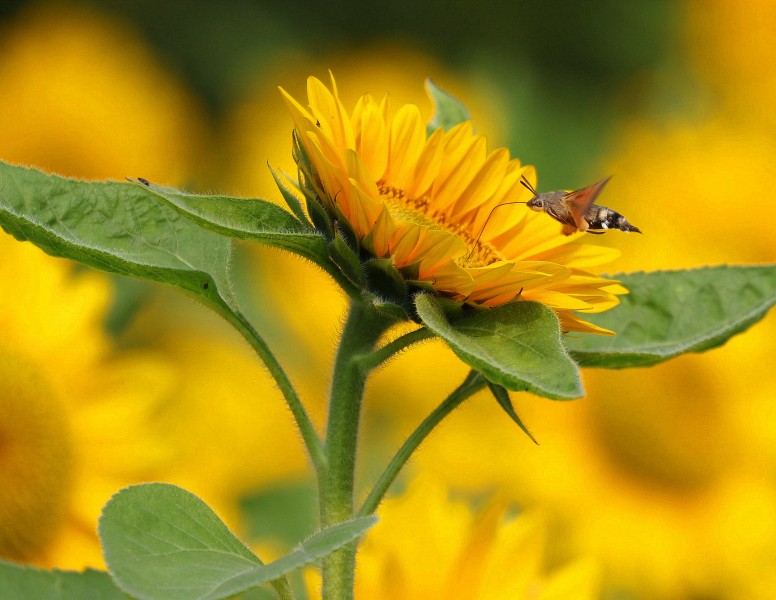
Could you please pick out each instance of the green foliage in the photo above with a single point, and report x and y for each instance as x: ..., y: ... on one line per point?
x: 163, y: 543
x: 245, y: 218
x: 448, y: 110
x: 28, y: 583
x: 114, y: 227
x: 385, y: 280
x: 505, y: 402
x: 668, y: 313
x: 516, y: 345
x: 350, y: 265
x: 286, y: 190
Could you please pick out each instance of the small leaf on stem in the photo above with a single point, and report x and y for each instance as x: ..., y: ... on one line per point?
x: 502, y: 397
x: 163, y: 543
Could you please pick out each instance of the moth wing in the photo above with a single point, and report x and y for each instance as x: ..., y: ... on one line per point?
x: 568, y: 229
x: 580, y: 200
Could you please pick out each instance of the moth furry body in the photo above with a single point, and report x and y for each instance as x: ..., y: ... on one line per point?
x: 576, y: 210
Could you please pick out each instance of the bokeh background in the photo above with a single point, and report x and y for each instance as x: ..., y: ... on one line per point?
x: 661, y: 483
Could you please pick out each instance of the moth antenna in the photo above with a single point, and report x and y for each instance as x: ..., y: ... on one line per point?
x: 485, y: 224
x: 527, y: 185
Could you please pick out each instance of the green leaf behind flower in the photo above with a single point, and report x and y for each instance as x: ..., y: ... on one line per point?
x: 259, y: 221
x: 28, y: 583
x: 114, y: 227
x: 516, y: 345
x: 163, y: 543
x: 668, y: 313
x: 448, y: 110
x: 244, y: 218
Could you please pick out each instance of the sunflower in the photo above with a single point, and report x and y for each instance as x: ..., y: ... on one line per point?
x: 69, y: 409
x: 487, y: 552
x: 429, y: 204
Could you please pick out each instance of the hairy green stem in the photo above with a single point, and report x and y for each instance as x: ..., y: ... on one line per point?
x: 378, y: 357
x: 309, y: 435
x: 283, y: 588
x: 473, y: 383
x: 363, y: 328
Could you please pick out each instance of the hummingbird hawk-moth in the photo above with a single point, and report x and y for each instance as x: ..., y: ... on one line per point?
x: 576, y: 210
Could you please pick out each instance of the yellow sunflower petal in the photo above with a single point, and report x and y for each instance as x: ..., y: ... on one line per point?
x: 362, y: 210
x: 408, y: 136
x: 578, y: 256
x: 501, y: 214
x: 496, y: 287
x: 460, y: 165
x: 300, y: 115
x: 382, y: 235
x: 571, y: 322
x: 483, y: 185
x: 616, y: 289
x: 438, y: 246
x: 371, y: 136
x: 330, y: 114
x: 358, y: 171
x: 429, y: 162
x: 332, y: 176
x: 557, y: 300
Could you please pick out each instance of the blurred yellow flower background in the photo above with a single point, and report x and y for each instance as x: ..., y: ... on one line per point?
x: 85, y: 414
x: 661, y: 481
x: 488, y: 552
x: 83, y: 96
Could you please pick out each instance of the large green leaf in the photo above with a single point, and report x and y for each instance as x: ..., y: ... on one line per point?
x: 163, y: 543
x: 115, y: 227
x: 245, y: 218
x: 448, y: 110
x: 668, y: 313
x: 517, y: 345
x: 28, y: 583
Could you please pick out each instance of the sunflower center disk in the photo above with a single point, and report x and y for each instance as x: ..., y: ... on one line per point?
x: 419, y: 211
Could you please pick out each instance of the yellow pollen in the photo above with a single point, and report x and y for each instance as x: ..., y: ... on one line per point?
x: 420, y: 212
